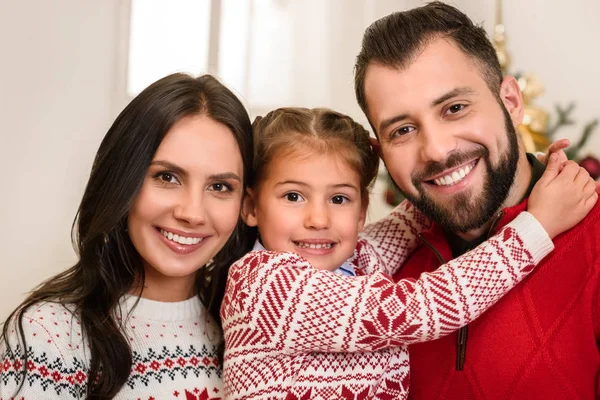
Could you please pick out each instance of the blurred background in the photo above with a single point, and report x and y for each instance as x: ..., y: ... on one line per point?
x: 69, y: 66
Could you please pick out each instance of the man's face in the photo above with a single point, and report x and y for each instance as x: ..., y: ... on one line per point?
x: 447, y: 141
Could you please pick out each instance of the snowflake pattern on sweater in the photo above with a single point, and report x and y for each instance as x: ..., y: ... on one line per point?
x: 295, y: 332
x: 174, y: 352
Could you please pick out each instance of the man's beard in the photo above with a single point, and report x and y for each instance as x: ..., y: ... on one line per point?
x: 464, y: 212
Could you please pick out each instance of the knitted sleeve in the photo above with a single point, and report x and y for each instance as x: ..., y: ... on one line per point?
x: 277, y: 300
x: 392, y: 238
x: 53, y: 370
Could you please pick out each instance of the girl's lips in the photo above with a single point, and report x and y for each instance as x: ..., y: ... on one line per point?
x: 317, y: 247
x: 179, y: 248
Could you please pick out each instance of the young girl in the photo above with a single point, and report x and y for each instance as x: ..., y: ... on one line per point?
x: 297, y: 332
x: 158, y: 227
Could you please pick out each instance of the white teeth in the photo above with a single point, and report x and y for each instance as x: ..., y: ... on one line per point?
x: 454, y: 177
x: 180, y: 239
x: 313, y: 245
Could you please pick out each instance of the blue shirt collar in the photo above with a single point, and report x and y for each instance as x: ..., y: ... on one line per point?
x: 345, y: 269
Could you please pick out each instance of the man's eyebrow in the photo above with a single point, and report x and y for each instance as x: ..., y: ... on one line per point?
x: 460, y: 91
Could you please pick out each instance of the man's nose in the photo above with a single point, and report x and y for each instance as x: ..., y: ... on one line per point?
x: 437, y: 141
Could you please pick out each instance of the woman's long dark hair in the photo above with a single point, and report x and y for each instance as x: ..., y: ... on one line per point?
x: 109, y: 266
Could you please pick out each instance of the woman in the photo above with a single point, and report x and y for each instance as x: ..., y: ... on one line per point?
x: 138, y: 314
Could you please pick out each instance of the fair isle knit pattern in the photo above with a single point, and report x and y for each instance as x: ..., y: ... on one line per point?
x: 295, y: 332
x: 174, y: 349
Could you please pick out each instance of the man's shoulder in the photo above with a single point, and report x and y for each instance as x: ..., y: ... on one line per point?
x: 590, y: 225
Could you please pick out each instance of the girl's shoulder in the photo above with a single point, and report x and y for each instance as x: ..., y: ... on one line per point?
x: 265, y: 258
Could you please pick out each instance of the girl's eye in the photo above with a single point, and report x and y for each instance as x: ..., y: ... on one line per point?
x: 339, y: 199
x: 456, y: 108
x: 293, y: 197
x: 221, y: 187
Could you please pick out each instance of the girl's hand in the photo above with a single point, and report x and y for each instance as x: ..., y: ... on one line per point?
x: 563, y: 196
x: 557, y: 147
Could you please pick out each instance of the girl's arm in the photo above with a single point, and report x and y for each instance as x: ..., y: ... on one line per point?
x: 393, y: 238
x: 279, y: 301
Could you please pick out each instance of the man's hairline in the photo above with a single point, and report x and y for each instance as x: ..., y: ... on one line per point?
x: 399, y: 67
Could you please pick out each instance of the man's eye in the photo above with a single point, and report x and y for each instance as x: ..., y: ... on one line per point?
x: 405, y: 130
x: 456, y: 108
x: 293, y: 197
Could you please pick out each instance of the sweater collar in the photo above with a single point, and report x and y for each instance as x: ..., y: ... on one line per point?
x: 191, y: 309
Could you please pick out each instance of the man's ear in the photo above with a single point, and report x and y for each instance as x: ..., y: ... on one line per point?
x: 249, y: 209
x: 510, y: 94
x: 376, y: 146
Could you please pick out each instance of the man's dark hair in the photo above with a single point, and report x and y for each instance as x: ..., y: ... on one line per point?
x: 395, y: 41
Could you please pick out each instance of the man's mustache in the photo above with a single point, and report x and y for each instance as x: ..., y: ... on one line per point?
x: 453, y: 160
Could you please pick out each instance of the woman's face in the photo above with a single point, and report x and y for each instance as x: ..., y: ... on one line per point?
x: 188, y: 205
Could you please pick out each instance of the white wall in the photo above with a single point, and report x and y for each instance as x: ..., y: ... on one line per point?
x: 60, y: 66
x: 56, y: 88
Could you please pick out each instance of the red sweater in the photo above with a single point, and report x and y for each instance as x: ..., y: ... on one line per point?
x: 541, y: 341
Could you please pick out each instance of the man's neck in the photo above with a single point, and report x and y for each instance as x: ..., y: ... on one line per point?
x: 517, y: 191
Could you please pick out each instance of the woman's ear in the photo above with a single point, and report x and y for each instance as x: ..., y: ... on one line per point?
x: 249, y: 209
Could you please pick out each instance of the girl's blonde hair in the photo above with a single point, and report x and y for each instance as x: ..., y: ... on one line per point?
x: 320, y: 130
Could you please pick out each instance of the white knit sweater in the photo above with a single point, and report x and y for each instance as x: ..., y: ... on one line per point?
x: 174, y: 347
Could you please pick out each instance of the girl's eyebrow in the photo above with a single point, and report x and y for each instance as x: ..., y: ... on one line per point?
x: 336, y: 186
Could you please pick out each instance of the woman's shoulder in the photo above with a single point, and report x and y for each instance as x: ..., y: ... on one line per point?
x: 50, y: 326
x: 45, y: 342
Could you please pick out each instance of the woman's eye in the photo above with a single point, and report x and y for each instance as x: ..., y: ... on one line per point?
x: 167, y: 177
x: 339, y: 199
x: 221, y: 187
x: 293, y: 197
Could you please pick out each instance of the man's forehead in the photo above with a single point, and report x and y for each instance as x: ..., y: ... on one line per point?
x: 440, y: 67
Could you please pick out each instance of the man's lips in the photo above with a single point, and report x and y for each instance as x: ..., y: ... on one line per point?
x: 454, y: 175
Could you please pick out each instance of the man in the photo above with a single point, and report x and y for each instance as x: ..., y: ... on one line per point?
x: 431, y: 86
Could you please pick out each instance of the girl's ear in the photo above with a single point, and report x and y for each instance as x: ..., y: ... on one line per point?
x: 249, y: 209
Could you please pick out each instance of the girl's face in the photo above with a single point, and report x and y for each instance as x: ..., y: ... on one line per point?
x: 188, y: 205
x: 309, y: 205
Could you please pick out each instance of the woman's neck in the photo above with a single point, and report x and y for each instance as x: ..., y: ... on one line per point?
x: 163, y: 288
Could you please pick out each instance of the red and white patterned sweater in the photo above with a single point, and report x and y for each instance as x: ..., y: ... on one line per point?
x: 295, y: 332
